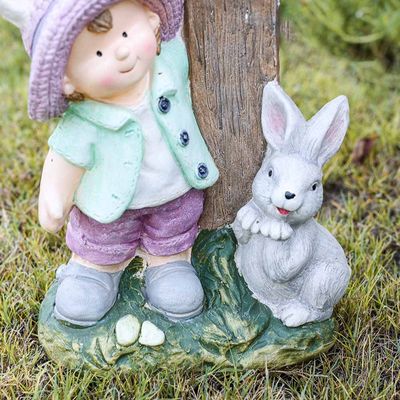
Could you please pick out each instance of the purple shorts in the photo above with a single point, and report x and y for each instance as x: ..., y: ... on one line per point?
x: 161, y: 231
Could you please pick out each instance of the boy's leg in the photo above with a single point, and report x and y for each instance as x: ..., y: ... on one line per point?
x: 169, y: 232
x: 102, y: 268
x: 88, y: 284
x: 155, y: 261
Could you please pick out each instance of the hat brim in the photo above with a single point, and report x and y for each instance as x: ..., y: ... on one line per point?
x: 52, y: 47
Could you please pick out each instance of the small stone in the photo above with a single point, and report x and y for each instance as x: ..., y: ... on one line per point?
x: 76, y: 347
x: 127, y: 330
x: 151, y: 335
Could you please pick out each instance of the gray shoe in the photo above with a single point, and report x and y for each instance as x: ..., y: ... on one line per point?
x: 174, y: 290
x: 84, y: 295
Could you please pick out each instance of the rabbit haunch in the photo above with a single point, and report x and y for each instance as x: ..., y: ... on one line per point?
x: 290, y: 262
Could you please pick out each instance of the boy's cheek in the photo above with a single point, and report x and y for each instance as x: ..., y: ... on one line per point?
x: 149, y: 48
x: 107, y: 81
x: 101, y: 79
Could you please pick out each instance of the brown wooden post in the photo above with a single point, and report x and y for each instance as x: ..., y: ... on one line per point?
x: 233, y: 50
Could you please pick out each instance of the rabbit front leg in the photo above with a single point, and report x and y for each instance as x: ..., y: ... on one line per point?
x: 247, y: 222
x: 275, y: 229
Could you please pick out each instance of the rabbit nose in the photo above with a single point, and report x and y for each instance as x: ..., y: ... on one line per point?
x: 290, y: 195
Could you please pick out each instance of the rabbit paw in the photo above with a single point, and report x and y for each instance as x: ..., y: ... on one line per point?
x: 295, y: 314
x: 276, y: 230
x: 247, y: 223
x: 248, y: 216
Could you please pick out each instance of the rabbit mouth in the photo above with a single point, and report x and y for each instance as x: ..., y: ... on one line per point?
x: 283, y: 211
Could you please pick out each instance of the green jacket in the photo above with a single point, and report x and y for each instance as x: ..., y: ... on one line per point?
x: 108, y: 142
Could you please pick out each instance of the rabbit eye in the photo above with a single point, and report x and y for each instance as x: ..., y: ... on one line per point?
x: 99, y: 54
x: 314, y: 186
x: 124, y: 34
x: 270, y: 173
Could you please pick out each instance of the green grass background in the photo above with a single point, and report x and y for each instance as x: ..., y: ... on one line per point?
x: 361, y: 208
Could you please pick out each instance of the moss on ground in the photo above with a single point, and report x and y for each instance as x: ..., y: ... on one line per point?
x: 361, y: 209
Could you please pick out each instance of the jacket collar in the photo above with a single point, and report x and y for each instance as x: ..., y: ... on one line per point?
x: 114, y: 117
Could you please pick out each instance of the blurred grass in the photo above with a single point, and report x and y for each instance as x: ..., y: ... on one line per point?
x: 362, y: 210
x: 363, y: 29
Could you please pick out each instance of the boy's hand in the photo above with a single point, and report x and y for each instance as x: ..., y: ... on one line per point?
x: 60, y: 179
x: 52, y: 213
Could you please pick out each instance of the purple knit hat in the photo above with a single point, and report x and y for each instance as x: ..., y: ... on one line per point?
x: 54, y: 26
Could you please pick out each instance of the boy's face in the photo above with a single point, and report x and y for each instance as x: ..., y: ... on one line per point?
x: 103, y: 66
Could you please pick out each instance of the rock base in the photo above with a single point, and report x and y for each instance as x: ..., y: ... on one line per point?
x: 234, y: 330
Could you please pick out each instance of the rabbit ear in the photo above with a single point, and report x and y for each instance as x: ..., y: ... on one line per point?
x: 16, y: 11
x: 326, y: 130
x: 280, y: 116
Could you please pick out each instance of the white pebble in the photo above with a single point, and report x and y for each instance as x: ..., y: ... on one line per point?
x: 127, y: 330
x: 151, y: 335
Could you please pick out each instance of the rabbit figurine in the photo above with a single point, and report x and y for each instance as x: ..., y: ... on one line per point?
x: 290, y: 262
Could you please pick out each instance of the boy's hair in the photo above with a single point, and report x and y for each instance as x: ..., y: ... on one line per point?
x: 101, y: 24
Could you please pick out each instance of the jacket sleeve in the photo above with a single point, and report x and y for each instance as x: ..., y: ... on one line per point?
x: 74, y: 140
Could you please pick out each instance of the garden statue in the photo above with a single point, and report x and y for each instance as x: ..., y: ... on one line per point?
x: 290, y: 262
x: 127, y: 167
x: 127, y: 162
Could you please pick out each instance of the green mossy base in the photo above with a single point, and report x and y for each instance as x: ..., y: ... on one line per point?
x: 234, y: 330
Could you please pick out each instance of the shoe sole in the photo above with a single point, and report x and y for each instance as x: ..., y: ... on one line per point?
x: 61, y: 318
x: 83, y: 324
x: 177, y: 317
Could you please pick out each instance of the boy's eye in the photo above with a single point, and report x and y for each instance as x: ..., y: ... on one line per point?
x: 99, y: 54
x: 124, y: 34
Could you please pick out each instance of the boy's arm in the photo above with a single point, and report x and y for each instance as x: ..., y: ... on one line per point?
x: 60, y: 180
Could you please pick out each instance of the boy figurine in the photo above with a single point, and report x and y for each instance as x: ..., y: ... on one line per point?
x: 127, y: 162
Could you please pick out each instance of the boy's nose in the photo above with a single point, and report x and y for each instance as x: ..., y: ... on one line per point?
x: 122, y: 53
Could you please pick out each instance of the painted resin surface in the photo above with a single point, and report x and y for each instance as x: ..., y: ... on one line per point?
x: 234, y: 330
x: 290, y: 262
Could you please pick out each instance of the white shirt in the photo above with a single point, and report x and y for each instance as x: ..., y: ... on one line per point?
x: 160, y: 178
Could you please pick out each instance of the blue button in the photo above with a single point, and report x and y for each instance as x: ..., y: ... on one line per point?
x: 164, y: 105
x: 185, y: 139
x: 202, y: 171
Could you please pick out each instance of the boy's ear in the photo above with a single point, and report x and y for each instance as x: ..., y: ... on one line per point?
x: 68, y: 87
x: 154, y: 19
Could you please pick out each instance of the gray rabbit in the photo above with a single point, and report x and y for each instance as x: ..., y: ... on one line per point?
x: 290, y: 262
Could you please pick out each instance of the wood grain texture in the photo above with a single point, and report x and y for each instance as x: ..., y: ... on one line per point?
x: 233, y: 50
